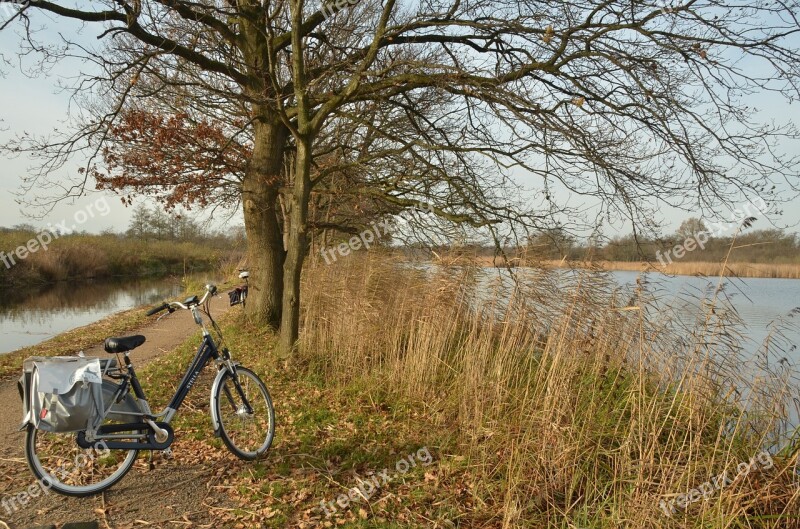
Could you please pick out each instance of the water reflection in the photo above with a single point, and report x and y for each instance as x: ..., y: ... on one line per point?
x: 33, y: 314
x: 763, y: 305
x: 741, y: 335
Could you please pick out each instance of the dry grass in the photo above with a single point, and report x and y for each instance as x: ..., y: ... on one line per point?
x: 699, y: 268
x: 576, y: 405
x: 684, y: 268
x: 83, y: 256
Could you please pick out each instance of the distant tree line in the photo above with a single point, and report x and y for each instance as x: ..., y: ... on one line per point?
x: 757, y: 246
x: 155, y: 243
x: 751, y: 246
x: 157, y: 224
x: 712, y: 244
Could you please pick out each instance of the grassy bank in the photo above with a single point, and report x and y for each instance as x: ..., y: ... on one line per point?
x: 690, y: 268
x: 83, y: 256
x: 541, y: 405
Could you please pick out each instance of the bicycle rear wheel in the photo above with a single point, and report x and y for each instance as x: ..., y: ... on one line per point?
x: 63, y: 466
x: 247, y: 432
x: 66, y: 468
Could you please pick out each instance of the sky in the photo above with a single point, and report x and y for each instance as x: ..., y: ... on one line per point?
x: 34, y: 105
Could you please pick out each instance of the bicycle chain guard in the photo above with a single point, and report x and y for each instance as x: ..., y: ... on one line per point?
x: 128, y: 445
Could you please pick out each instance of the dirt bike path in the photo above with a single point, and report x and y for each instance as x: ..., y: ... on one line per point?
x: 154, y: 497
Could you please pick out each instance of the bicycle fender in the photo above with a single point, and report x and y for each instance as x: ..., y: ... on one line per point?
x: 217, y: 381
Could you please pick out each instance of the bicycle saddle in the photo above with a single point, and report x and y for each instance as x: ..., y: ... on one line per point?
x: 123, y: 344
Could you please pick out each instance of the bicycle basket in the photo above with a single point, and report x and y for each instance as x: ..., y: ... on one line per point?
x: 62, y: 394
x: 238, y: 295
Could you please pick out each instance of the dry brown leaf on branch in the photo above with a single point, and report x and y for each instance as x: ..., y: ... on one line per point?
x: 548, y: 34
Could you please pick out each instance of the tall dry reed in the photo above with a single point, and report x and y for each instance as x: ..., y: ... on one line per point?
x: 579, y: 403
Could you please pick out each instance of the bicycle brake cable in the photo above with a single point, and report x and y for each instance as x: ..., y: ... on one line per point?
x: 207, y: 311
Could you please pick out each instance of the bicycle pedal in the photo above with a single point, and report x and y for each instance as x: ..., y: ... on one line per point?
x: 167, y: 452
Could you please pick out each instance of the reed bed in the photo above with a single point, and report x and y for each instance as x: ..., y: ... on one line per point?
x: 85, y: 256
x: 684, y: 268
x: 576, y: 402
x: 700, y: 268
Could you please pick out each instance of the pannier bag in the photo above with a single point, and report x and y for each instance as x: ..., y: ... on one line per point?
x: 238, y: 295
x: 62, y: 394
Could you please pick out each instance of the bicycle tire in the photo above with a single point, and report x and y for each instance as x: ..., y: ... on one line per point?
x: 230, y: 402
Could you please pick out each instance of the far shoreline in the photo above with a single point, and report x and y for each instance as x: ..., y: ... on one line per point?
x: 697, y: 268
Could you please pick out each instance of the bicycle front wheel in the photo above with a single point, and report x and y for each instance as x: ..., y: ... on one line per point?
x: 61, y: 465
x: 246, y: 418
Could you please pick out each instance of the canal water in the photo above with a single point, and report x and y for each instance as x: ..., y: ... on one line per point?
x: 31, y: 315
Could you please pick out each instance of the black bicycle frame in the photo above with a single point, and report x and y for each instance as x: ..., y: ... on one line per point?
x: 205, y: 353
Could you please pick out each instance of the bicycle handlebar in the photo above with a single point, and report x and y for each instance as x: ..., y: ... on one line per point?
x: 172, y: 305
x: 158, y: 309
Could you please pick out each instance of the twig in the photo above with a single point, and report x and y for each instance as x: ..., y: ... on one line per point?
x: 103, y: 504
x: 170, y: 520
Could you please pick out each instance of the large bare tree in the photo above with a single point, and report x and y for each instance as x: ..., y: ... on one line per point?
x: 632, y: 102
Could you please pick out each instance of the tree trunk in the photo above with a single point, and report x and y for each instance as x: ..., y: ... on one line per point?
x: 297, y: 248
x: 265, y: 251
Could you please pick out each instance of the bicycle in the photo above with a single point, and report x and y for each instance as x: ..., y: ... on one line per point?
x: 239, y: 294
x: 90, y: 462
